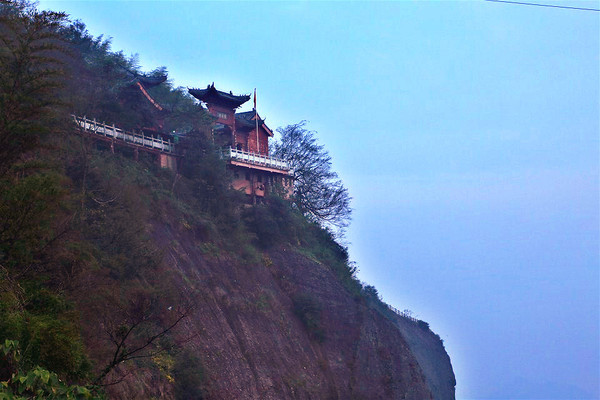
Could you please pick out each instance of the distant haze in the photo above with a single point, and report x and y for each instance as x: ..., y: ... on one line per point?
x: 468, y: 135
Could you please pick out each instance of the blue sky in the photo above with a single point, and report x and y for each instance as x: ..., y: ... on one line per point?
x: 468, y: 135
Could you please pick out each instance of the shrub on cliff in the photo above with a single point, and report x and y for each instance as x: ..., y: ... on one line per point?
x: 274, y: 222
x: 189, y: 377
x: 308, y: 309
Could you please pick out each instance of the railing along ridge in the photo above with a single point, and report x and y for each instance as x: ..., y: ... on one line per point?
x: 138, y: 139
x: 403, y: 314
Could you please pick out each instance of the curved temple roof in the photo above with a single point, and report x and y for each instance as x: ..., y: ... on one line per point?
x: 147, y: 81
x: 247, y: 120
x: 214, y: 96
x: 151, y: 81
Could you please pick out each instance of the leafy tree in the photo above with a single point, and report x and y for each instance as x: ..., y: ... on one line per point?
x: 371, y: 293
x: 36, y: 382
x: 273, y: 222
x: 211, y: 181
x: 27, y: 207
x: 31, y: 72
x: 318, y: 193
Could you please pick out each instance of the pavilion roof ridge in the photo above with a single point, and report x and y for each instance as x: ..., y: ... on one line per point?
x: 213, y: 95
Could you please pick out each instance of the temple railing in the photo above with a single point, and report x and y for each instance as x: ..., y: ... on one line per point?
x: 255, y: 159
x: 110, y: 131
x: 158, y: 143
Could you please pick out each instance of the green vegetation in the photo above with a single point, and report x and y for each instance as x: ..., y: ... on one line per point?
x: 73, y: 244
x: 32, y: 55
x: 34, y: 383
x: 308, y: 309
x: 188, y: 375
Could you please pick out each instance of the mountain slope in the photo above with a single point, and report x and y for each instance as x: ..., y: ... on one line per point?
x: 253, y: 345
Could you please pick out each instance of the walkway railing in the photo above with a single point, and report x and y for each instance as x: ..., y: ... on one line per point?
x: 158, y: 143
x: 256, y: 159
x: 139, y: 139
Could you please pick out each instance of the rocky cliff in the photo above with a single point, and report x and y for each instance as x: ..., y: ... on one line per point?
x: 254, y: 344
x: 151, y: 293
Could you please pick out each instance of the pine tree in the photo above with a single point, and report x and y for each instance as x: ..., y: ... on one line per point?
x: 31, y: 73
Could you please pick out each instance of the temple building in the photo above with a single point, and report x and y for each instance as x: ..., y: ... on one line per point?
x: 244, y: 138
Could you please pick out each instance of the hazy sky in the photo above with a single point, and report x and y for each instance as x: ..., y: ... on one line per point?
x: 468, y: 135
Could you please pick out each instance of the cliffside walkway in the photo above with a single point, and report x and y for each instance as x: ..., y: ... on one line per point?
x: 120, y: 136
x: 166, y: 148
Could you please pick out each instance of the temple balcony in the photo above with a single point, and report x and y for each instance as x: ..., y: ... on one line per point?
x: 254, y: 160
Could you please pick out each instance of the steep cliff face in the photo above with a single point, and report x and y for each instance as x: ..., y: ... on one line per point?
x: 275, y: 310
x: 429, y: 351
x: 253, y: 343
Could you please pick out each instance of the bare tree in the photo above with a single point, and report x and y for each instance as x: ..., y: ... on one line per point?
x: 136, y: 327
x: 318, y: 192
